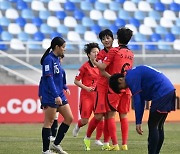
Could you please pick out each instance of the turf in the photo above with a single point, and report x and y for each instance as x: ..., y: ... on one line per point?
x: 26, y: 139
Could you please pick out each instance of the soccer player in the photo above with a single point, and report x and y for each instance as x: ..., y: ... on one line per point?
x: 148, y: 84
x: 86, y: 79
x: 53, y: 98
x: 106, y: 37
x: 122, y: 57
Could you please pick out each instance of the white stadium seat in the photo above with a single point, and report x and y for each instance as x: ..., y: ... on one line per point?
x: 90, y: 36
x: 144, y: 6
x: 149, y: 21
x: 14, y: 28
x: 11, y: 13
x: 73, y: 36
x: 54, y: 6
x: 30, y: 28
x: 166, y: 1
x: 176, y: 45
x: 129, y: 6
x: 145, y: 30
x: 166, y: 22
x: 37, y: 5
x: 95, y: 14
x: 132, y: 27
x: 46, y: 43
x: 70, y: 21
x: 110, y: 15
x: 169, y: 15
x: 53, y: 21
x: 16, y: 44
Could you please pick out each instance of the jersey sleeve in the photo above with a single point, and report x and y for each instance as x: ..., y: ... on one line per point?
x: 110, y: 56
x: 80, y: 73
x: 40, y: 88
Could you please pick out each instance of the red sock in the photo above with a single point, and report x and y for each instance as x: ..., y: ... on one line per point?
x: 106, y: 132
x: 92, y: 126
x: 124, y: 130
x: 80, y: 123
x: 99, y: 129
x: 112, y: 130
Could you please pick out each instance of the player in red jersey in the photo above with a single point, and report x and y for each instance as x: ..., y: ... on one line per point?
x: 86, y: 79
x: 106, y: 37
x: 119, y: 60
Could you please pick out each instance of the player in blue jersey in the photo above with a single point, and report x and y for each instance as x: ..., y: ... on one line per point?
x: 53, y: 98
x: 148, y: 84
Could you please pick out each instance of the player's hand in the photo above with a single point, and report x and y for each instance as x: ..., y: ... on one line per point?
x: 58, y: 101
x: 139, y: 129
x: 90, y: 89
x: 68, y: 92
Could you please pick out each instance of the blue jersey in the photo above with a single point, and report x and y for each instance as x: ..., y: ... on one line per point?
x: 146, y: 83
x: 51, y: 84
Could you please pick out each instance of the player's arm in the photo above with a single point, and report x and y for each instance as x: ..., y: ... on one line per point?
x: 104, y: 73
x: 100, y: 65
x: 82, y: 86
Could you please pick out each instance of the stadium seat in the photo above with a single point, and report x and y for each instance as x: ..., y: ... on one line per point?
x: 120, y: 22
x: 113, y: 28
x: 149, y: 21
x: 105, y: 1
x: 37, y: 5
x: 100, y: 6
x: 38, y: 36
x: 159, y: 7
x: 154, y: 14
x: 109, y: 15
x: 4, y: 21
x: 55, y: 34
x: 69, y: 6
x: 29, y: 1
x: 78, y: 14
x: 75, y: 1
x: 138, y: 37
x: 4, y: 5
x: 120, y: 1
x: 129, y: 6
x: 80, y: 29
x: 73, y: 36
x: 139, y: 15
x: 144, y: 6
x: 21, y: 21
x: 169, y: 15
x: 61, y: 15
x: 3, y: 47
x: 23, y: 36
x: 46, y: 1
x: 30, y: 28
x: 37, y: 21
x: 11, y: 13
x: 132, y: 27
x: 152, y: 1
x: 44, y: 14
x: 164, y: 47
x: 27, y: 14
x: 161, y: 30
x: 122, y: 14
x: 53, y: 21
x: 46, y: 43
x: 175, y: 30
x: 44, y: 28
x: 14, y: 28
x: 169, y: 37
x: 174, y: 7
x: 166, y: 1
x: 96, y: 28
x: 176, y: 45
x: 178, y: 22
x: 33, y: 45
x: 87, y: 22
x: 0, y: 14
x: 13, y: 1
x: 135, y: 22
x: 6, y: 36
x: 115, y: 6
x: 62, y: 29
x: 95, y: 14
x: 146, y: 30
x: 17, y: 44
x: 155, y: 37
x: 21, y: 5
x: 167, y: 23
x: 70, y: 21
x: 90, y: 36
x: 103, y: 22
x: 54, y: 6
x: 86, y: 6
x: 177, y: 1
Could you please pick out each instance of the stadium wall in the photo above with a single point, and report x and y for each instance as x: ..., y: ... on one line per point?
x: 20, y: 104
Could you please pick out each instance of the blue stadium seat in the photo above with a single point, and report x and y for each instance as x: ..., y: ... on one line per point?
x: 78, y: 14
x: 120, y: 1
x: 21, y: 21
x: 38, y: 36
x: 1, y: 29
x: 152, y: 1
x: 151, y: 47
x: 62, y: 29
x: 61, y: 15
x: 27, y: 14
x: 80, y: 29
x: 55, y: 34
x: 169, y: 37
x: 155, y: 15
x: 120, y: 22
x: 139, y: 15
x: 178, y: 22
x: 134, y: 22
x: 87, y: 22
x: 4, y: 5
x: 161, y: 30
x: 113, y: 28
x: 29, y: 1
x: 44, y: 14
x: 100, y: 6
x: 13, y: 1
x: 175, y: 30
x: 69, y: 6
x: 6, y: 36
x: 174, y: 7
x: 34, y: 47
x: 75, y: 1
x: 122, y: 14
x: 159, y: 7
x: 3, y: 46
x: 21, y: 5
x: 37, y: 21
x: 86, y: 6
x: 164, y: 47
x: 4, y: 21
x: 138, y: 37
x: 96, y: 28
x: 44, y: 28
x: 103, y: 22
x: 23, y: 36
x: 115, y: 6
x: 136, y: 1
x: 91, y: 1
x: 134, y: 47
x: 155, y: 37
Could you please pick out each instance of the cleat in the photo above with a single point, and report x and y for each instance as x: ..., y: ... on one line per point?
x: 48, y: 152
x: 114, y: 148
x: 57, y: 148
x: 87, y: 144
x: 75, y: 131
x: 98, y: 142
x: 124, y: 147
x: 52, y: 138
x: 106, y: 147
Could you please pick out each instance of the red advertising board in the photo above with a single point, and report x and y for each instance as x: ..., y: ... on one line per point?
x: 20, y: 104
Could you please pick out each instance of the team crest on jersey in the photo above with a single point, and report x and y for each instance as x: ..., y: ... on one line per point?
x: 78, y: 73
x: 105, y: 58
x: 46, y: 67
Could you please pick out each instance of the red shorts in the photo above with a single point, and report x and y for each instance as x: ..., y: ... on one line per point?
x: 119, y: 102
x: 86, y: 105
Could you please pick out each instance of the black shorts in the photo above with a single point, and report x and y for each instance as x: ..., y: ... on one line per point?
x: 45, y: 105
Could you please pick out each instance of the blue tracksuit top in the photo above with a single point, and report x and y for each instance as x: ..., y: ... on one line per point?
x: 52, y: 80
x: 146, y: 83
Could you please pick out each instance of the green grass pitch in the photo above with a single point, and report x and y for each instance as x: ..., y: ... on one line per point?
x: 26, y: 139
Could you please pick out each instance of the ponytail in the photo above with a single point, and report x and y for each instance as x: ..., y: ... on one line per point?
x: 44, y: 55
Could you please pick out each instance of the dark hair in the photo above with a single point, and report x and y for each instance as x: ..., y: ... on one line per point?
x: 55, y: 41
x: 113, y: 82
x: 124, y: 35
x: 88, y: 47
x: 106, y: 32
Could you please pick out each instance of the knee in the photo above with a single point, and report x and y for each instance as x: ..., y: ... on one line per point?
x: 98, y: 116
x: 68, y: 120
x: 84, y: 121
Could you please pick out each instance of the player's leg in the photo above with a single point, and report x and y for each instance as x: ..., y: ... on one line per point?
x: 54, y: 127
x: 49, y: 114
x: 99, y: 132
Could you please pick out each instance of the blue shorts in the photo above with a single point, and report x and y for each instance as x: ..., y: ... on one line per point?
x: 45, y: 105
x: 165, y: 104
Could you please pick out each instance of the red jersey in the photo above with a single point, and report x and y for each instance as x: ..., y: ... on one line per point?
x: 88, y: 74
